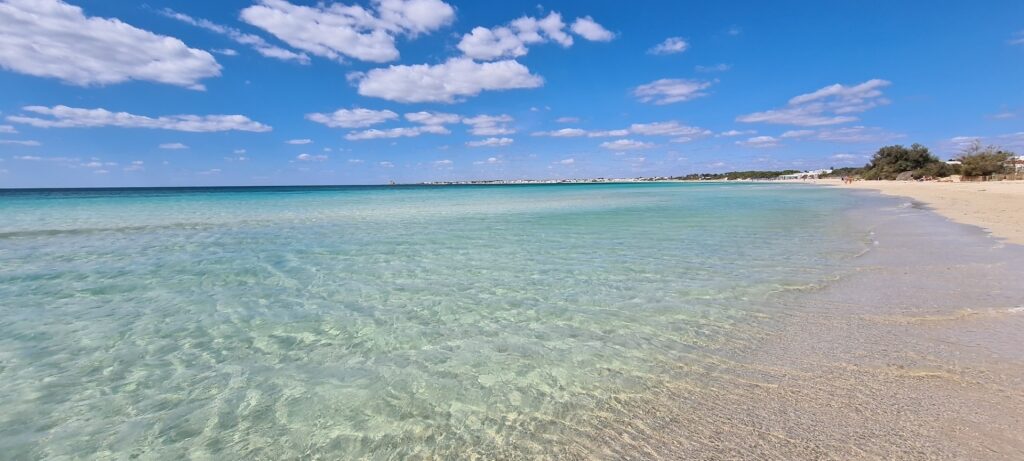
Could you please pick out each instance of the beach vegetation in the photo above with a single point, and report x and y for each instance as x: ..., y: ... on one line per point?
x: 983, y: 161
x: 890, y: 161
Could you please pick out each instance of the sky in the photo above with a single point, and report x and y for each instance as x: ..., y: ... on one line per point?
x: 289, y: 92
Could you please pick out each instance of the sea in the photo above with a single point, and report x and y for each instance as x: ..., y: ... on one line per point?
x: 581, y: 321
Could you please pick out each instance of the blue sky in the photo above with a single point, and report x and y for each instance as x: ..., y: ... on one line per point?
x: 99, y: 93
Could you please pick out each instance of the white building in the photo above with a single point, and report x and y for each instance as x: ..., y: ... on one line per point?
x: 813, y: 174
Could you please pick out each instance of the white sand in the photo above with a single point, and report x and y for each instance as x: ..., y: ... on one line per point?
x: 996, y: 206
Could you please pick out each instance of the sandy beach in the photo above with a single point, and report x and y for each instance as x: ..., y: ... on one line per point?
x: 995, y: 206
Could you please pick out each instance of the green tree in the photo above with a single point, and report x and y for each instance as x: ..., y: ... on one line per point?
x: 983, y: 161
x: 890, y: 161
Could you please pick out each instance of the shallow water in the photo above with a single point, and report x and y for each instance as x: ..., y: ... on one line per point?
x: 609, y: 321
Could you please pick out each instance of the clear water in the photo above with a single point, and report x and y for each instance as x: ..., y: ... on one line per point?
x: 383, y: 322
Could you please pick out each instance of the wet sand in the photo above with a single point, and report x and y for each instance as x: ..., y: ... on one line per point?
x: 913, y: 354
x: 996, y: 206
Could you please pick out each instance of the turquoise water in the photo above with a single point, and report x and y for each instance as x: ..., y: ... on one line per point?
x: 383, y: 322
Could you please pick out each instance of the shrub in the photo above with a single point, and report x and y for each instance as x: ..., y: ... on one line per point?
x: 890, y: 161
x: 983, y: 161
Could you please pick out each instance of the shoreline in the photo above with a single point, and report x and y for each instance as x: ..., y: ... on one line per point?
x: 997, y: 206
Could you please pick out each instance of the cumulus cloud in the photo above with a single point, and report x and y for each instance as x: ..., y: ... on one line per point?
x: 759, y: 142
x: 830, y: 105
x: 299, y: 142
x: 510, y: 41
x: 797, y: 133
x: 8, y: 129
x: 671, y: 45
x: 589, y: 29
x: 491, y: 142
x: 49, y: 38
x: 669, y: 90
x: 336, y: 30
x: 255, y: 42
x: 352, y: 118
x: 401, y: 132
x: 448, y: 82
x: 71, y: 117
x: 626, y: 144
x: 173, y: 146
x: 311, y: 158
x: 489, y: 125
x: 432, y: 118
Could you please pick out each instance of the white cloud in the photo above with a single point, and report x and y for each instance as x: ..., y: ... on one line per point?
x: 853, y: 134
x: 510, y: 41
x: 173, y: 146
x: 568, y: 161
x: 401, y: 132
x: 355, y: 161
x: 713, y: 68
x: 489, y: 125
x: 136, y: 165
x: 352, y: 118
x: 432, y: 118
x: 49, y: 38
x: 489, y: 161
x: 28, y: 143
x: 71, y: 117
x: 731, y: 133
x: 239, y: 151
x: 734, y: 31
x: 299, y: 142
x: 256, y: 42
x: 386, y: 164
x: 210, y: 172
x: 669, y: 128
x: 337, y: 30
x: 567, y: 120
x: 626, y: 144
x: 587, y: 28
x: 671, y: 45
x: 443, y: 163
x: 311, y: 158
x: 607, y: 133
x: 8, y: 129
x: 225, y: 51
x: 448, y: 82
x: 668, y: 91
x: 1018, y: 38
x: 562, y: 133
x: 491, y: 142
x: 797, y: 133
x: 830, y: 105
x: 759, y: 142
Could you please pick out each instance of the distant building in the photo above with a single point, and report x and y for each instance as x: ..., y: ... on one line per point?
x: 813, y: 174
x: 1017, y: 163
